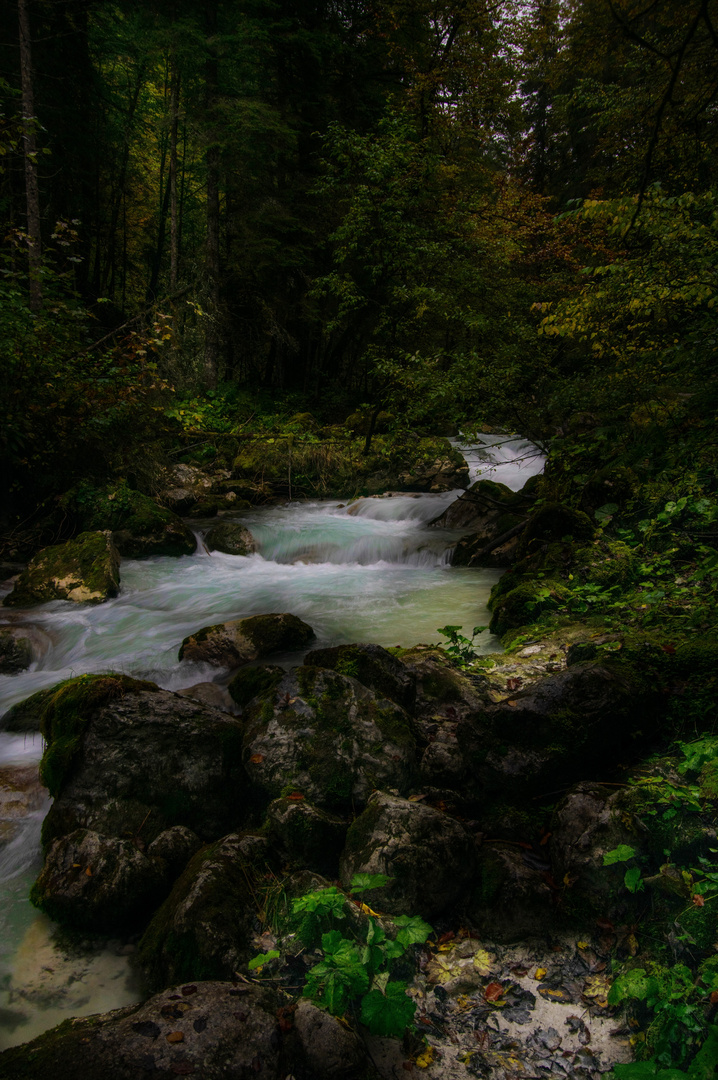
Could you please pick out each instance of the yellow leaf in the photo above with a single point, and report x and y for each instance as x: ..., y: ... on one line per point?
x: 426, y: 1057
x: 582, y: 944
x: 482, y: 962
x: 540, y: 974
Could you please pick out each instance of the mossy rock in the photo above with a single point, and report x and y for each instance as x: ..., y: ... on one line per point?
x: 15, y: 652
x: 27, y: 715
x: 204, y: 928
x: 613, y: 484
x: 554, y: 521
x: 84, y: 570
x: 249, y: 682
x: 64, y: 711
x: 231, y: 538
x: 526, y: 603
x: 359, y: 422
x: 239, y: 642
x: 373, y: 666
x: 701, y: 923
x: 306, y: 836
x: 140, y: 527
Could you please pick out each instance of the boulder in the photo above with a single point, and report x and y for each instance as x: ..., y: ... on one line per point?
x: 204, y: 928
x: 211, y: 694
x: 435, y: 466
x: 98, y: 883
x: 140, y: 527
x: 27, y: 715
x: 332, y: 1051
x: 488, y: 511
x: 512, y: 896
x: 443, y: 691
x: 231, y: 538
x: 20, y: 646
x: 306, y: 836
x: 253, y: 680
x: 429, y: 856
x: 329, y: 738
x: 373, y: 666
x: 84, y: 570
x: 232, y: 644
x: 525, y: 603
x: 175, y: 846
x: 124, y: 758
x: 183, y: 487
x: 216, y: 1030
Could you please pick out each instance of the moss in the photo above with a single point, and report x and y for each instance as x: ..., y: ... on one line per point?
x: 271, y: 633
x: 554, y: 521
x: 701, y: 923
x: 84, y: 569
x: 360, y: 833
x: 250, y: 682
x: 525, y: 603
x: 64, y: 714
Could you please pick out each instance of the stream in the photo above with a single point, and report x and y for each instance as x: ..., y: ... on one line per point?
x: 371, y: 570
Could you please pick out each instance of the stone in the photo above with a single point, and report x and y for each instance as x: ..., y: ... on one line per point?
x: 84, y: 570
x: 21, y: 646
x: 510, y: 899
x: 443, y: 691
x: 231, y: 538
x: 98, y: 882
x: 429, y: 856
x: 329, y: 738
x: 306, y: 837
x: 140, y: 527
x: 330, y: 1049
x: 232, y: 644
x: 373, y: 666
x: 212, y: 694
x: 226, y: 1031
x: 253, y: 680
x: 126, y: 759
x: 175, y: 846
x: 204, y: 928
x: 27, y: 715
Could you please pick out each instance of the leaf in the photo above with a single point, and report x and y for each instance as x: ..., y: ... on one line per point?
x: 493, y: 992
x: 362, y: 882
x: 634, y: 985
x: 412, y: 930
x: 388, y: 1014
x: 632, y: 879
x: 483, y: 961
x: 540, y: 974
x: 622, y: 853
x: 258, y: 962
x: 597, y: 989
x: 426, y: 1057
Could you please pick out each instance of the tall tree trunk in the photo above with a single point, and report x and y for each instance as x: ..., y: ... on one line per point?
x: 174, y: 203
x: 212, y: 163
x: 32, y: 193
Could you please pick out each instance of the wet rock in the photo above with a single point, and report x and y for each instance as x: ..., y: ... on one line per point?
x: 443, y: 691
x: 434, y: 471
x: 126, y: 759
x: 217, y: 697
x: 253, y: 680
x: 98, y: 882
x: 210, y: 1029
x: 184, y: 486
x: 232, y: 644
x: 231, y: 538
x: 84, y: 570
x: 512, y: 897
x: 27, y: 715
x: 488, y: 510
x: 21, y: 794
x: 524, y: 604
x: 306, y: 836
x: 204, y: 928
x: 140, y: 527
x: 20, y: 646
x: 330, y: 1049
x: 329, y: 738
x: 373, y: 666
x: 429, y: 856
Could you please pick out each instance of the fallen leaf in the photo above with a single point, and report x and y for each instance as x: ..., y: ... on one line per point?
x: 595, y: 989
x: 296, y: 796
x: 493, y: 992
x: 426, y: 1057
x: 256, y: 759
x: 448, y: 936
x: 175, y: 1037
x: 540, y: 974
x: 582, y: 944
x: 714, y: 998
x: 698, y: 900
x: 482, y: 962
x: 550, y: 993
x: 88, y: 872
x: 181, y: 1068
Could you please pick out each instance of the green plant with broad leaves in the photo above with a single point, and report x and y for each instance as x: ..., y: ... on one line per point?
x: 354, y: 973
x: 459, y: 647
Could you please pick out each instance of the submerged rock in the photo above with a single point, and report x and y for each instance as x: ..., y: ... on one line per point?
x: 204, y: 928
x: 329, y: 738
x: 84, y: 570
x: 232, y: 644
x: 231, y: 538
x: 429, y: 856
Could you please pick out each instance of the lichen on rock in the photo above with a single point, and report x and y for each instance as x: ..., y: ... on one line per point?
x: 84, y: 570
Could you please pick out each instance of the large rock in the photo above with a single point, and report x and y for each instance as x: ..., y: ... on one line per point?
x: 27, y: 715
x: 429, y: 856
x: 232, y: 644
x: 373, y: 666
x: 214, y: 1030
x: 435, y: 466
x: 231, y: 538
x: 306, y: 837
x: 98, y: 882
x: 488, y: 511
x: 124, y: 758
x: 204, y: 928
x: 20, y: 646
x: 329, y: 738
x: 332, y: 1050
x: 443, y: 691
x: 513, y: 895
x: 140, y: 528
x: 183, y: 487
x: 84, y: 570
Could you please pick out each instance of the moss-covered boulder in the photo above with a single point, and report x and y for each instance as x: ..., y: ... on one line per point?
x: 204, y: 928
x: 306, y: 837
x: 429, y: 856
x: 84, y: 570
x: 126, y: 759
x: 374, y: 667
x: 214, y: 1030
x: 235, y: 643
x: 525, y: 603
x: 488, y: 511
x: 443, y: 691
x: 98, y: 883
x: 555, y: 521
x: 27, y: 715
x: 327, y: 737
x: 140, y: 527
x: 231, y: 538
x: 253, y: 680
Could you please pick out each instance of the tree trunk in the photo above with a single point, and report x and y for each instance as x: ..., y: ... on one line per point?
x: 212, y: 163
x: 174, y: 205
x: 32, y: 193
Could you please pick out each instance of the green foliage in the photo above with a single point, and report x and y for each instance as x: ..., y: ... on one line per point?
x: 678, y: 1025
x: 461, y: 648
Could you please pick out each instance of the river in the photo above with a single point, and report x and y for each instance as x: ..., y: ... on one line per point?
x: 371, y: 570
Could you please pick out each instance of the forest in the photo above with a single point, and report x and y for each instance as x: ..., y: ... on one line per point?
x: 293, y: 247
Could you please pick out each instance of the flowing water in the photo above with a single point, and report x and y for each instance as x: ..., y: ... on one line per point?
x: 371, y: 570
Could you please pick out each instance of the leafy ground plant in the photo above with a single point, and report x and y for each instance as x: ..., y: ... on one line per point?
x: 459, y: 647
x: 353, y: 975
